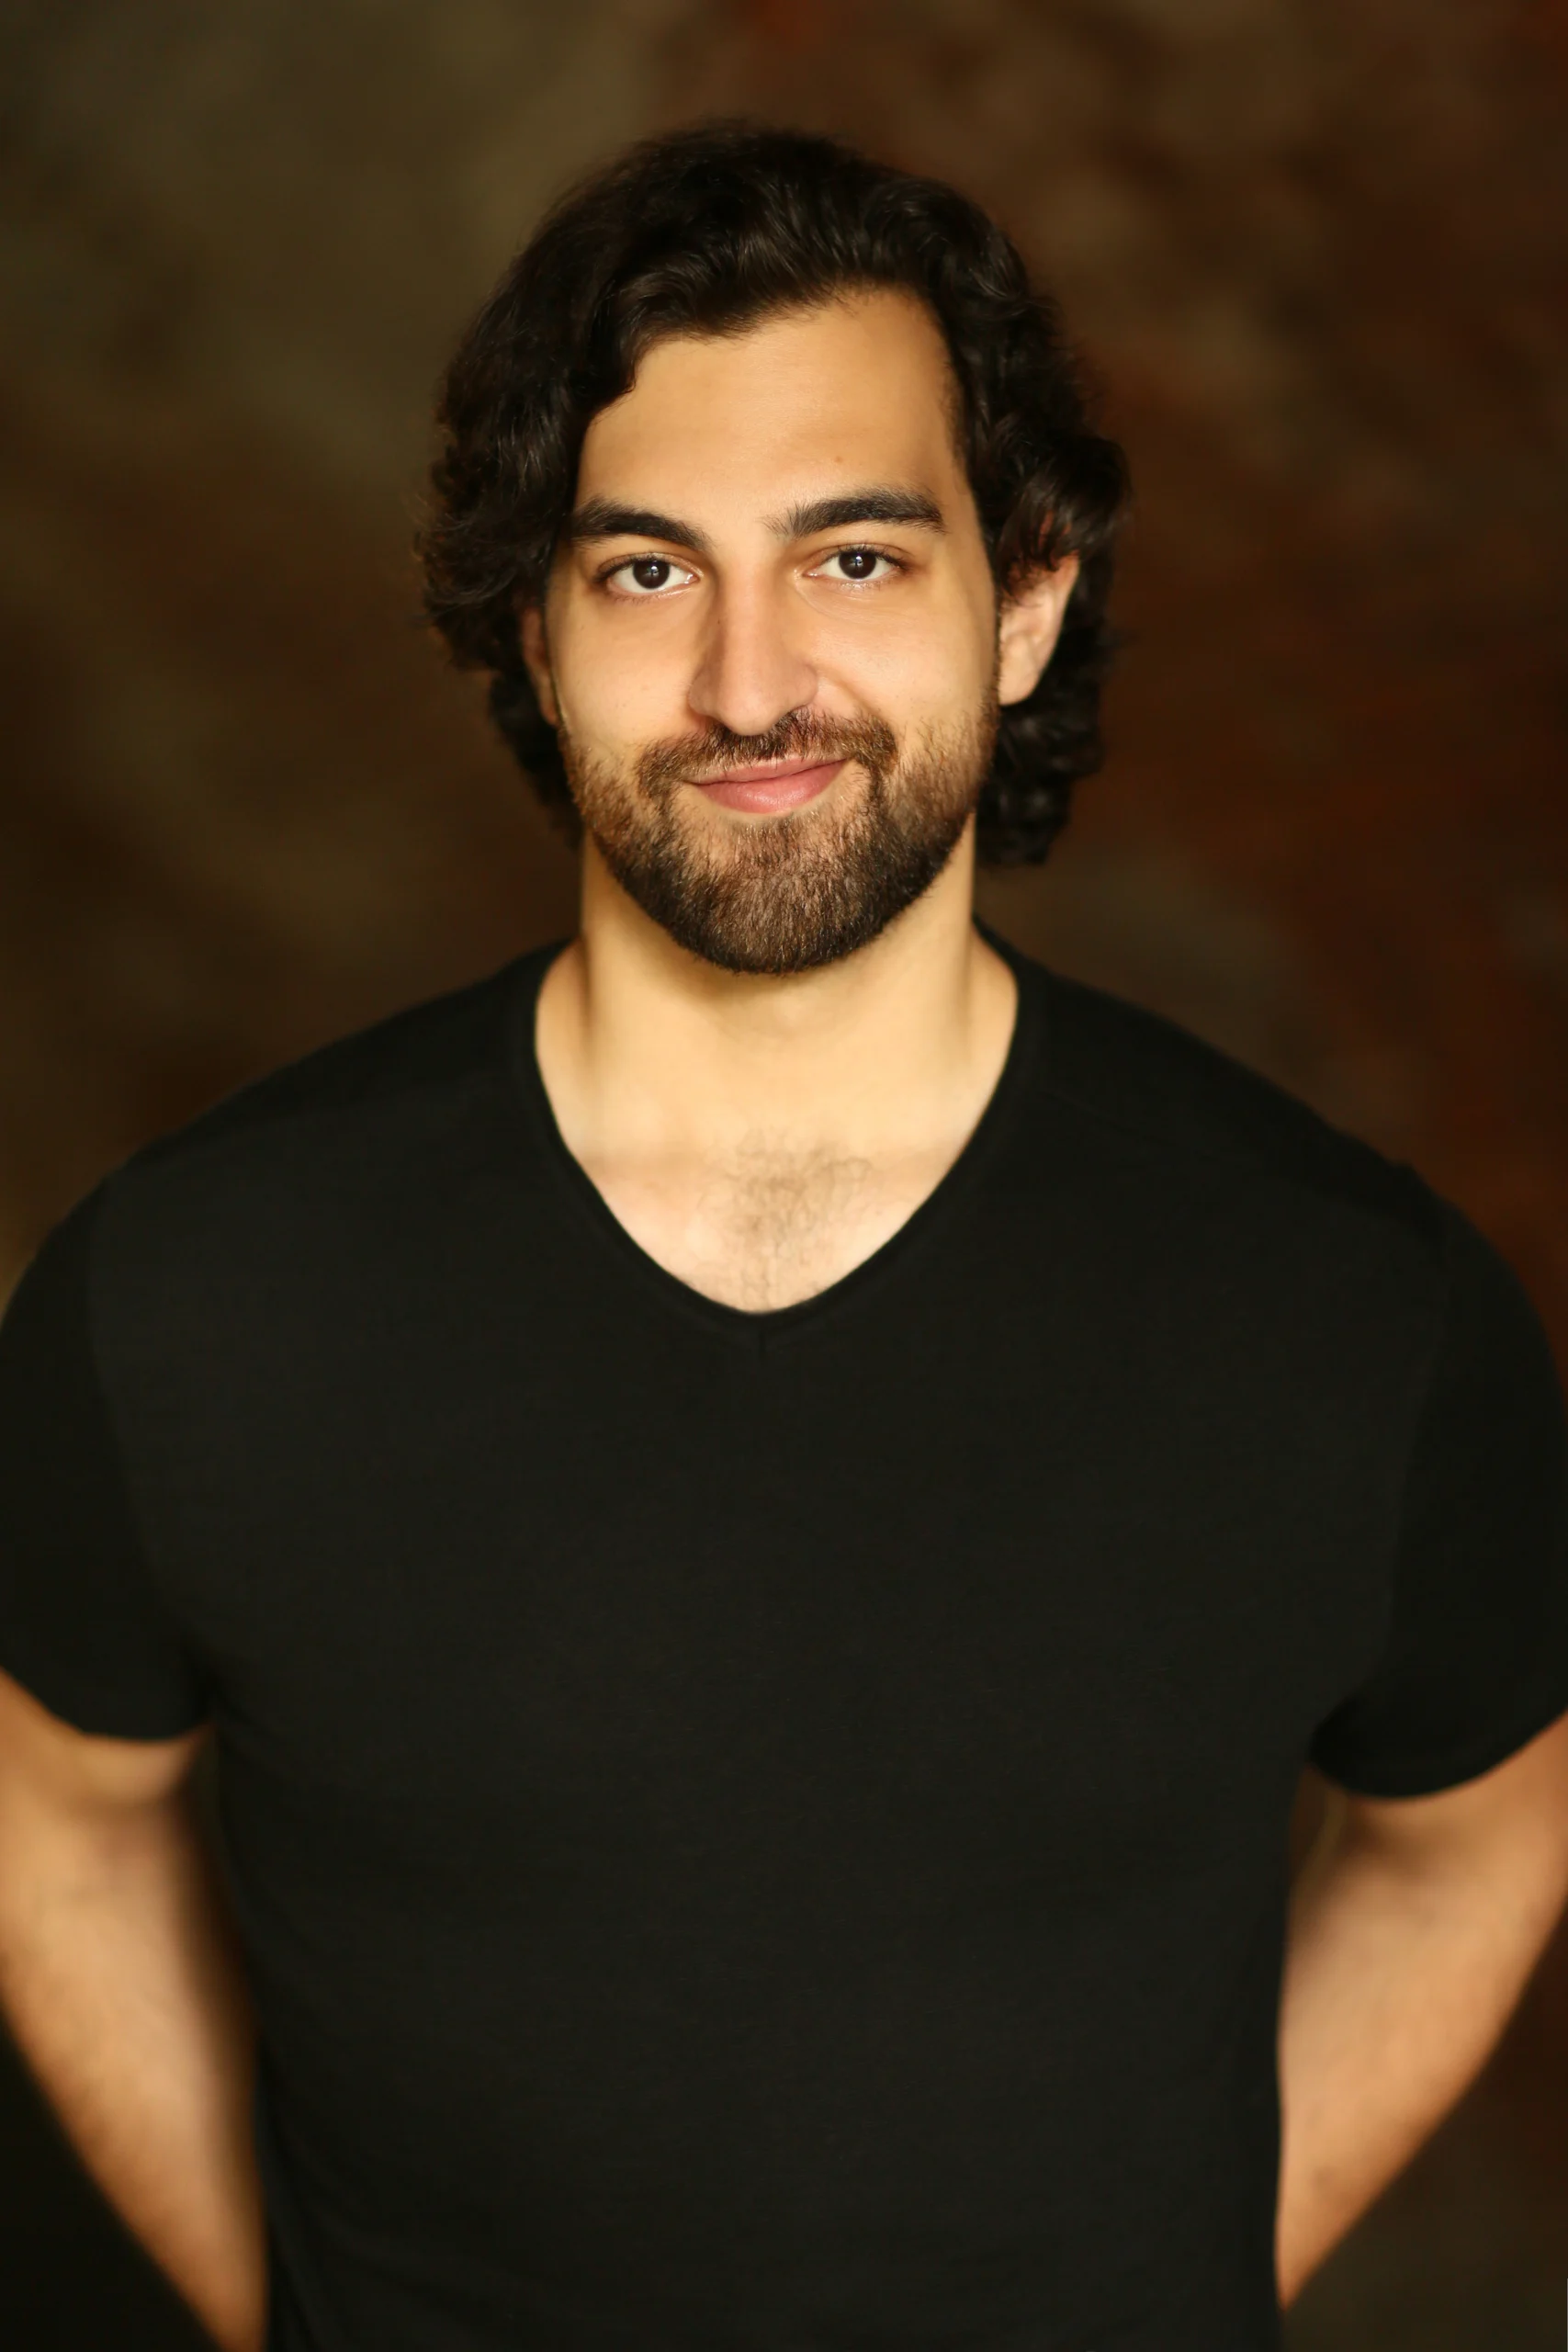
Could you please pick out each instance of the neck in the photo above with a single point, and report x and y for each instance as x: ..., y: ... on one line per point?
x: 644, y: 1048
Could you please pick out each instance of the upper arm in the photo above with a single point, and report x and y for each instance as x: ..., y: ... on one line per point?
x: 84, y: 1625
x: 1508, y: 1826
x: 1474, y: 1662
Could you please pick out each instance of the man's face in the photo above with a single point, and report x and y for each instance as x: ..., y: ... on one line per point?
x: 770, y: 640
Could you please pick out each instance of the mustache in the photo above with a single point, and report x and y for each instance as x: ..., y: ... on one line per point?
x: 798, y: 735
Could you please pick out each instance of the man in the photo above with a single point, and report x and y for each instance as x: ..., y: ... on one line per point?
x: 764, y: 1507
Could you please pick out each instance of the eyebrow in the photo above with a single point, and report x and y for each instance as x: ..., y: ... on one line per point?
x: 880, y: 503
x: 603, y: 518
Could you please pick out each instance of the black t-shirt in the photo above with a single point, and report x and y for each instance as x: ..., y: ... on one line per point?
x: 769, y: 1830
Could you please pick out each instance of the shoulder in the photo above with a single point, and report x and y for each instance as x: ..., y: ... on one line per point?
x: 330, y: 1133
x: 1173, y: 1097
x: 438, y: 1045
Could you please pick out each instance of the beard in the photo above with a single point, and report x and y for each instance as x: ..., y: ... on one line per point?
x: 805, y: 888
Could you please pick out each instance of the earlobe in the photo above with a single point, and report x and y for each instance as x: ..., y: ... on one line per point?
x: 1028, y: 626
x: 536, y: 655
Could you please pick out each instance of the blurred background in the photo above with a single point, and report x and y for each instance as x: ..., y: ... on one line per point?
x: 1315, y: 249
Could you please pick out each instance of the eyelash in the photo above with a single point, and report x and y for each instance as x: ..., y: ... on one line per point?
x: 603, y: 577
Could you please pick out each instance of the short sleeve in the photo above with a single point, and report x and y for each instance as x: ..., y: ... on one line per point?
x: 1476, y: 1658
x: 81, y: 1625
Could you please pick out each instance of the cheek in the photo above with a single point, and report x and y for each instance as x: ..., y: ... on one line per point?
x: 938, y: 661
x: 619, y: 687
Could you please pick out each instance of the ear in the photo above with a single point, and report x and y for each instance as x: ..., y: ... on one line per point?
x: 1028, y: 626
x: 536, y: 656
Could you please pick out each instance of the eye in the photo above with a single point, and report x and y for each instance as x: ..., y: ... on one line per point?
x: 857, y: 564
x: 646, y: 576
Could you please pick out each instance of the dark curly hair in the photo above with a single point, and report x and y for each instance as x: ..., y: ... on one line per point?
x: 705, y: 230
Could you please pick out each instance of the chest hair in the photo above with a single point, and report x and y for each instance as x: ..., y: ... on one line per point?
x: 758, y: 1225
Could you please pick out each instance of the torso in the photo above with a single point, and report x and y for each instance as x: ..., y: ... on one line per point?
x: 755, y: 1828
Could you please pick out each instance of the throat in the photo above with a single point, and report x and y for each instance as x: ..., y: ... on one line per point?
x: 760, y: 1192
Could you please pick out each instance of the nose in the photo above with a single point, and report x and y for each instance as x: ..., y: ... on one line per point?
x: 752, y: 672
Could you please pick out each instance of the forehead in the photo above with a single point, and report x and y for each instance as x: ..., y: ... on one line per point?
x: 857, y: 389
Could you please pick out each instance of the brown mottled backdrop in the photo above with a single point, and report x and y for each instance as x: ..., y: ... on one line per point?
x: 1315, y: 248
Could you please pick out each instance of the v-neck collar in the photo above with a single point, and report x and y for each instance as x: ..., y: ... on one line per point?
x: 760, y: 1328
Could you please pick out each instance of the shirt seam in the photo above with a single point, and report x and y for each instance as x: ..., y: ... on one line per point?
x: 1252, y: 1163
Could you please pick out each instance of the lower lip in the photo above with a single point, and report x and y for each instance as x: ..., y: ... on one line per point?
x: 764, y: 795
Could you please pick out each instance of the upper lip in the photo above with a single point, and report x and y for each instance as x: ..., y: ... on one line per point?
x: 769, y: 769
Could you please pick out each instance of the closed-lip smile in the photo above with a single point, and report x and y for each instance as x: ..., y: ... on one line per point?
x: 773, y: 784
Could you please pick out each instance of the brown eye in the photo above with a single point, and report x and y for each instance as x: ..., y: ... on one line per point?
x: 858, y: 564
x: 645, y: 576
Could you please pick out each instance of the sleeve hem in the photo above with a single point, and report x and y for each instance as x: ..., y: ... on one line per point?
x: 93, y: 1708
x: 1429, y: 1774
